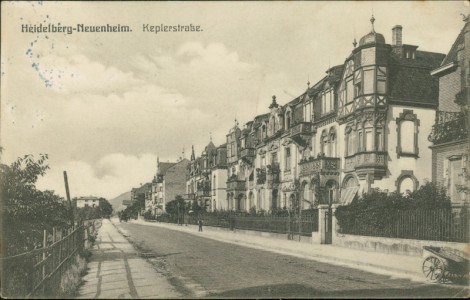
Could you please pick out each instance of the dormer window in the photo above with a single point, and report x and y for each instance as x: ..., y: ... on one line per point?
x: 327, y: 102
x: 288, y: 120
x: 308, y: 111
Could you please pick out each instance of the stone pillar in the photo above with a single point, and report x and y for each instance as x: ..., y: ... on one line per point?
x: 334, y: 222
x: 322, y: 210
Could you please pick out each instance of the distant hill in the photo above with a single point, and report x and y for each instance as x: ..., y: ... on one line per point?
x: 117, y: 202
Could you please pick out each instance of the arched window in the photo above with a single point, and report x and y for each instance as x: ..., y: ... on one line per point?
x: 406, y: 182
x: 406, y: 185
x: 324, y: 143
x: 288, y: 120
x: 407, y: 133
x: 332, y: 142
x: 263, y: 131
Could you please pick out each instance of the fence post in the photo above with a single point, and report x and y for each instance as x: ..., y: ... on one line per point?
x: 44, y: 246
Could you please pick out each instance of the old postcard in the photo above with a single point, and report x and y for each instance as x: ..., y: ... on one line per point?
x: 283, y: 149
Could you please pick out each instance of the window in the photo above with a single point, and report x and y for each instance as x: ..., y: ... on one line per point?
x: 273, y: 125
x: 406, y: 138
x: 369, y: 81
x: 381, y: 80
x: 379, y: 144
x: 308, y: 111
x: 349, y: 91
x: 368, y: 139
x: 456, y: 176
x: 288, y: 159
x: 333, y: 145
x: 214, y: 187
x: 288, y: 120
x: 407, y: 129
x: 406, y: 182
x: 406, y: 185
x: 263, y: 161
x: 263, y: 132
x: 361, y: 141
x: 324, y: 143
x: 381, y: 86
x: 274, y: 158
x: 350, y: 142
x: 358, y: 89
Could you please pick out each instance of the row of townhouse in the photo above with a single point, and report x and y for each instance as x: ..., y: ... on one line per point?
x: 364, y: 125
x: 390, y: 117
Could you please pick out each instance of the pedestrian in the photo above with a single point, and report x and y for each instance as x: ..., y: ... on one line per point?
x: 200, y: 224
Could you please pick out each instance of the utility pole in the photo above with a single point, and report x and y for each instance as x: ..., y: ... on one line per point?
x: 68, y: 199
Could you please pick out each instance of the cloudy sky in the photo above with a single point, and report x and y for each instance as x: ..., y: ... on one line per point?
x: 105, y: 105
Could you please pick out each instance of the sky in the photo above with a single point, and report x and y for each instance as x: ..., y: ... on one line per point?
x: 104, y: 106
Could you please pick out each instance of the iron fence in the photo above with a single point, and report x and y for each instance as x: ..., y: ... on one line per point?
x: 38, y: 273
x: 448, y: 225
x: 303, y: 225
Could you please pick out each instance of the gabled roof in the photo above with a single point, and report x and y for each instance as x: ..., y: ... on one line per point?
x: 452, y: 55
x: 410, y: 79
x: 163, y: 167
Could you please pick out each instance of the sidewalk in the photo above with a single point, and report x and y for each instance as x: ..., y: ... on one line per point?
x: 394, y: 265
x: 115, y: 271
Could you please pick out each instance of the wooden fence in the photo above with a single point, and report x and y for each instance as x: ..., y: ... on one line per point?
x: 38, y: 273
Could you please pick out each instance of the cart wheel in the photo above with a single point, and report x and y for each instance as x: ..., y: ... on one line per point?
x: 433, y: 269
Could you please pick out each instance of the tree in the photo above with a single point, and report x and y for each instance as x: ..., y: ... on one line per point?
x: 28, y: 211
x: 106, y: 209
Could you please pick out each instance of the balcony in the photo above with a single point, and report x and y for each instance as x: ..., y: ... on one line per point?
x: 248, y: 153
x: 236, y: 184
x: 189, y: 196
x: 450, y: 128
x: 304, y: 128
x: 319, y: 165
x: 203, y: 193
x: 374, y: 163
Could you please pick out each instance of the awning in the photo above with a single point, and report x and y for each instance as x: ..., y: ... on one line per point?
x: 347, y: 195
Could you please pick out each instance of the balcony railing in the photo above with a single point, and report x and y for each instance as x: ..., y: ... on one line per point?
x: 236, y: 185
x: 248, y: 153
x: 203, y: 193
x: 303, y: 128
x: 449, y: 131
x: 189, y: 196
x: 376, y: 161
x: 320, y: 164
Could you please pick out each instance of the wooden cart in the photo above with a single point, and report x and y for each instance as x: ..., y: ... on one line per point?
x: 441, y: 264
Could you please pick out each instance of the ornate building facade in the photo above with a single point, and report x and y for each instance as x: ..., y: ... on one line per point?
x: 364, y: 125
x: 206, y: 178
x: 168, y: 182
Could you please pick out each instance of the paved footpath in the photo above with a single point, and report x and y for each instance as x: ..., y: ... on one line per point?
x: 115, y: 271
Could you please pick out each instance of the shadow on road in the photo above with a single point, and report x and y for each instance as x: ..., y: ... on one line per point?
x: 301, y: 291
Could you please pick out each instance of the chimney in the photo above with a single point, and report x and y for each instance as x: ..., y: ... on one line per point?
x: 396, y: 35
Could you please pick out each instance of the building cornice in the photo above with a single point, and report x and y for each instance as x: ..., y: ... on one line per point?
x: 446, y: 68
